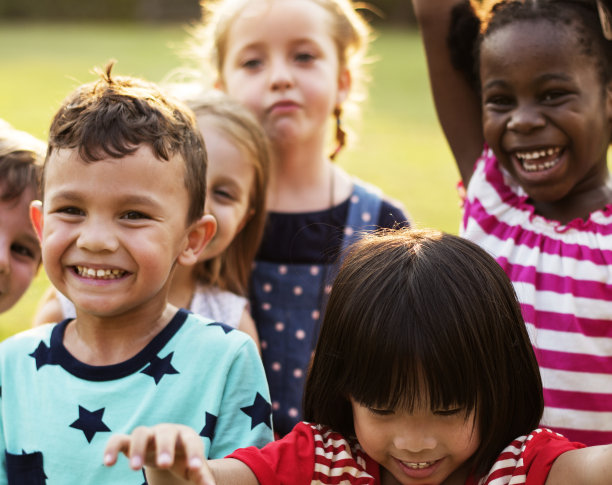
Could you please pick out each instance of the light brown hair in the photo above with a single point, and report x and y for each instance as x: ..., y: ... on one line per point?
x: 231, y: 269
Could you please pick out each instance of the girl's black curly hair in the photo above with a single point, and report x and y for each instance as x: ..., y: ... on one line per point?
x: 471, y: 23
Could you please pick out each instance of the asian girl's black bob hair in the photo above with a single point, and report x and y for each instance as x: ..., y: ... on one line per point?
x: 419, y: 316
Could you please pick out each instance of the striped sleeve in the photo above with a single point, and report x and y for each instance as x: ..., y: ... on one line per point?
x: 309, y: 454
x: 528, y: 458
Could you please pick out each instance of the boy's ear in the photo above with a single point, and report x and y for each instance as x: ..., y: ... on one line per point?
x: 200, y: 233
x: 36, y: 216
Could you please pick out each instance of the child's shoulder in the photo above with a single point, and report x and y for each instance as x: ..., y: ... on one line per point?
x: 213, y: 332
x: 26, y: 337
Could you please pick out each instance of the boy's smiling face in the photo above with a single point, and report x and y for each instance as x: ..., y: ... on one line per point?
x: 19, y: 249
x: 113, y: 229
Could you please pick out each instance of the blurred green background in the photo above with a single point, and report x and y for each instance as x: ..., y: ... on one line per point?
x: 399, y: 145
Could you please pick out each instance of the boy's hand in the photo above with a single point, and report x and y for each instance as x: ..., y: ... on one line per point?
x: 172, y: 447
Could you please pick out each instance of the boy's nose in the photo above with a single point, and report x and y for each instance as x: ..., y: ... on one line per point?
x: 96, y: 236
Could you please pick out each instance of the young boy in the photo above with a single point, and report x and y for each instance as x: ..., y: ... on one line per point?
x: 123, y: 197
x: 21, y: 157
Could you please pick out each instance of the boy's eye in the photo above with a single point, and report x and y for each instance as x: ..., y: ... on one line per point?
x: 134, y: 215
x: 24, y: 251
x: 70, y: 210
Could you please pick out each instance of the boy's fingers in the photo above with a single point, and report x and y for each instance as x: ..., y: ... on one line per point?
x: 118, y: 443
x: 166, y: 445
x: 140, y: 440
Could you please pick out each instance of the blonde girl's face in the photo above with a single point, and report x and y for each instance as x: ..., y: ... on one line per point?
x: 420, y: 447
x: 281, y: 61
x: 230, y: 178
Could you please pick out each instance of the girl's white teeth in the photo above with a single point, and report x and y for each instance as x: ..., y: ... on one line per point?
x: 418, y: 465
x: 107, y: 274
x: 530, y: 160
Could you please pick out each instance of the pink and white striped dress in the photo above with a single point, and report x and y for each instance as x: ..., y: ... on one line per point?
x: 562, y: 275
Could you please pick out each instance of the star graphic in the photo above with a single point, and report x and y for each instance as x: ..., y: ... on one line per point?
x: 226, y: 328
x: 157, y: 368
x: 259, y: 412
x: 90, y: 422
x: 42, y: 354
x: 208, y: 431
x: 29, y: 467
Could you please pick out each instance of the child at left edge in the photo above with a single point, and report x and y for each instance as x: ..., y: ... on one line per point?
x: 123, y: 197
x: 21, y: 158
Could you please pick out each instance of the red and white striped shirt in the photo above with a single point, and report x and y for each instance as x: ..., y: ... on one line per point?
x: 314, y: 454
x: 562, y: 275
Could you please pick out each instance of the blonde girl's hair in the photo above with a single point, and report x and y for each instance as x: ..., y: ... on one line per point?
x: 350, y: 31
x: 232, y: 268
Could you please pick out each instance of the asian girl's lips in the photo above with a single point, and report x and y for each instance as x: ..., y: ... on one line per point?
x: 419, y: 470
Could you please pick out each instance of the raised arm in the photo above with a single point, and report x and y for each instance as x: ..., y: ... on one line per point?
x: 586, y: 466
x: 456, y: 102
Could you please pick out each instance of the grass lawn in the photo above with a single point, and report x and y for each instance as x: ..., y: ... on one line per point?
x: 400, y: 147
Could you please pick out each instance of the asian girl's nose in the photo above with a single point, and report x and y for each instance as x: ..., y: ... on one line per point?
x: 525, y: 118
x: 414, y: 437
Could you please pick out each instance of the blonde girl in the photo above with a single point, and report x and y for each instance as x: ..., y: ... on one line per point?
x: 237, y: 177
x: 297, y: 65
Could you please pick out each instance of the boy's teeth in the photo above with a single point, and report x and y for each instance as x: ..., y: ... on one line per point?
x: 106, y: 274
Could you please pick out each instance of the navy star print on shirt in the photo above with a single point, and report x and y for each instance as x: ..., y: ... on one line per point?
x: 157, y: 368
x: 42, y: 354
x: 90, y: 422
x: 259, y: 412
x: 208, y: 431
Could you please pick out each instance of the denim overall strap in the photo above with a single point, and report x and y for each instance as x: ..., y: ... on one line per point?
x: 287, y: 305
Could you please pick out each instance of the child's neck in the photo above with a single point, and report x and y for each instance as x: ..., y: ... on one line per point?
x: 107, y: 341
x: 306, y: 181
x: 578, y: 204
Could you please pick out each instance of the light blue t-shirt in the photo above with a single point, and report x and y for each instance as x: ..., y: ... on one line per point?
x: 57, y: 413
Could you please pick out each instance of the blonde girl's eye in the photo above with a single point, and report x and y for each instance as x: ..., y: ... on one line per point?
x: 304, y: 57
x: 251, y: 64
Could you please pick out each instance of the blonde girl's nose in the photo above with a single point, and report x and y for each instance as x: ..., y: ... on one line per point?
x: 280, y: 75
